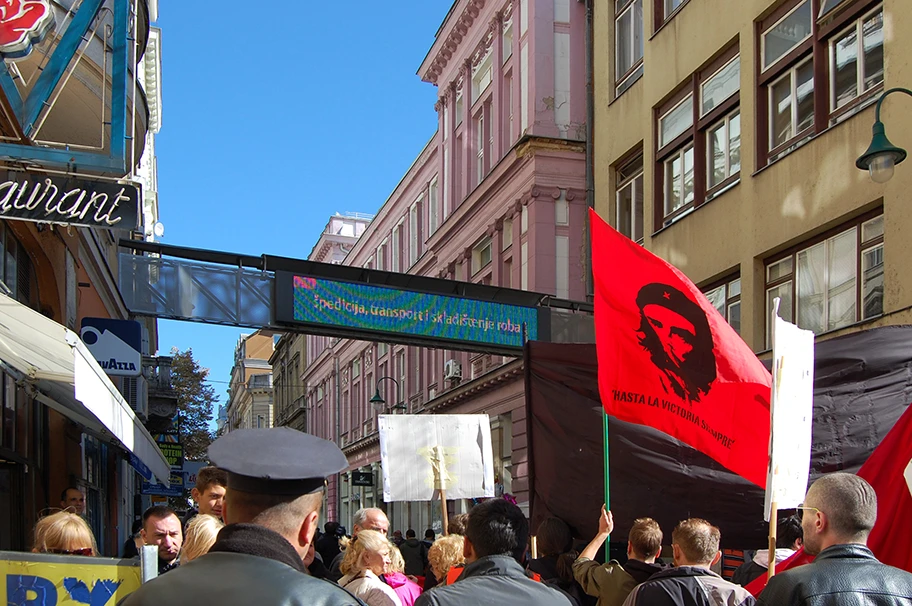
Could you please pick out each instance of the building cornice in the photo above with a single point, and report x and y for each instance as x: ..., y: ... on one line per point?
x: 450, y: 36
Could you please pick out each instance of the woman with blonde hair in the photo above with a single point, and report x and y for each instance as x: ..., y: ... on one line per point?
x: 64, y: 533
x: 446, y: 555
x: 367, y: 556
x: 200, y: 536
x: 407, y: 589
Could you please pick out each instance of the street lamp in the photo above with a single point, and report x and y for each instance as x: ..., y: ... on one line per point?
x: 882, y: 156
x: 379, y: 403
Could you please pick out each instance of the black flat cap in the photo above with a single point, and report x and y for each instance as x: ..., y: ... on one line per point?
x: 278, y: 461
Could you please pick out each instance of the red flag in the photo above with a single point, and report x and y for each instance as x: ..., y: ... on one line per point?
x: 890, y: 538
x: 667, y: 359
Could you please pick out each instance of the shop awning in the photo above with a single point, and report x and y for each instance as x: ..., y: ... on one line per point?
x: 54, y: 363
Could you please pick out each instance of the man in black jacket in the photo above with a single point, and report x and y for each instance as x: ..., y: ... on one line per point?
x: 495, y: 541
x: 838, y: 514
x: 611, y: 583
x: 276, y: 479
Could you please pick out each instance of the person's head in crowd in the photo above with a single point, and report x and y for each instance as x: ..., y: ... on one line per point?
x: 330, y: 528
x: 73, y: 499
x: 369, y: 551
x: 789, y: 534
x: 410, y: 534
x: 496, y: 527
x: 554, y: 537
x: 162, y: 528
x: 276, y: 479
x: 695, y: 542
x: 644, y: 542
x: 430, y: 535
x: 397, y: 536
x: 209, y: 492
x: 370, y: 518
x: 457, y: 524
x: 397, y: 562
x: 445, y: 553
x: 64, y: 533
x: 201, y: 533
x: 840, y: 508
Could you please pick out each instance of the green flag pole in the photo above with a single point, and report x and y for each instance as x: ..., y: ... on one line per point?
x: 607, y: 485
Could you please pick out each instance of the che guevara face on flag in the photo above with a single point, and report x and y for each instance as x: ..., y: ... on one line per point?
x: 667, y: 359
x: 674, y: 331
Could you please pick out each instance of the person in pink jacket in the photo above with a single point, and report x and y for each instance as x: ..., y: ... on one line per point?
x: 407, y: 589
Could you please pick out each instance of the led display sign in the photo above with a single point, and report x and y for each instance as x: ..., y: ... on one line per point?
x: 363, y: 310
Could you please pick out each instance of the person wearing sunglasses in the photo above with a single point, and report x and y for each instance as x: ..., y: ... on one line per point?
x: 64, y: 533
x: 838, y: 514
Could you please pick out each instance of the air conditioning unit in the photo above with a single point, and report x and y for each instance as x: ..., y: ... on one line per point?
x: 135, y: 392
x: 452, y: 370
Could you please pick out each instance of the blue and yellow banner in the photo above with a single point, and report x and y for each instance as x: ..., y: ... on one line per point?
x: 33, y: 579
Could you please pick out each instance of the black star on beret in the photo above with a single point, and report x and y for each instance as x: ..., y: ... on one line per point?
x: 279, y: 461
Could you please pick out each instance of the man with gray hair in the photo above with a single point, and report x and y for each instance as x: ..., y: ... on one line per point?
x: 695, y: 543
x: 837, y: 516
x: 366, y: 518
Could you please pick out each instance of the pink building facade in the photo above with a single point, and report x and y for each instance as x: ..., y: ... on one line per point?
x: 497, y: 196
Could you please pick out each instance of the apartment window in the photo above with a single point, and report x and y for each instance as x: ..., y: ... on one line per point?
x: 726, y: 298
x: 665, y: 9
x: 433, y: 210
x: 507, y: 234
x: 628, y: 43
x: 506, y: 280
x: 816, y: 72
x: 414, y: 236
x: 382, y: 349
x: 856, y: 59
x: 481, y: 255
x: 699, y: 139
x: 832, y: 282
x: 481, y: 76
x: 460, y: 106
x: 17, y: 273
x: 480, y: 141
x: 356, y: 369
x: 381, y: 255
x: 630, y: 199
x: 507, y: 39
x: 395, y: 249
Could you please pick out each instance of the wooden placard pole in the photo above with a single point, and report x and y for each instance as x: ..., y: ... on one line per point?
x: 771, y: 571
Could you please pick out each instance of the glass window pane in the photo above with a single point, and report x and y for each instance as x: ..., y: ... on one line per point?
x: 781, y: 110
x: 787, y: 34
x: 623, y: 45
x: 828, y: 5
x: 624, y: 210
x: 720, y: 86
x: 734, y: 316
x: 734, y: 144
x: 673, y: 197
x: 676, y: 121
x: 844, y: 76
x: 873, y: 50
x: 638, y: 208
x: 671, y: 5
x: 872, y: 282
x: 841, y: 267
x: 734, y: 288
x: 779, y: 269
x: 872, y: 229
x: 784, y: 292
x: 805, y: 89
x: 811, y: 288
x: 716, y: 298
x: 689, y: 175
x: 637, y: 30
x: 717, y: 152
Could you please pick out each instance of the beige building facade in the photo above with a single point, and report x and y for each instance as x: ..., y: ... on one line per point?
x: 726, y: 135
x: 250, y: 393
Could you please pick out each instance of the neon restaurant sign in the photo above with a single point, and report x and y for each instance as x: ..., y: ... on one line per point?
x: 365, y: 311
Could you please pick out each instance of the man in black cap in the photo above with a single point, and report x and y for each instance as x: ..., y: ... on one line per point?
x: 275, y: 490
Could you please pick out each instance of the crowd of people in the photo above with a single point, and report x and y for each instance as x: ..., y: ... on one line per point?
x: 255, y: 530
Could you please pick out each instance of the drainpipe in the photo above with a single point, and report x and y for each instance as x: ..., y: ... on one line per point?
x: 338, y: 434
x: 590, y: 136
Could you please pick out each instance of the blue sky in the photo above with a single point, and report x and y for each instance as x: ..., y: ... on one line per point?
x: 271, y: 125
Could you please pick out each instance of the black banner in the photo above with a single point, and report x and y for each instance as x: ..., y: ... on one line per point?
x: 362, y: 478
x: 69, y: 201
x: 862, y: 385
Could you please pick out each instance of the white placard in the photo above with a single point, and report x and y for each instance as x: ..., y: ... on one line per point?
x: 791, y: 410
x: 423, y: 453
